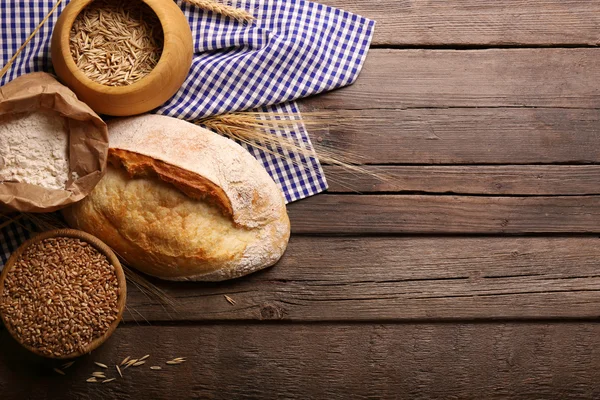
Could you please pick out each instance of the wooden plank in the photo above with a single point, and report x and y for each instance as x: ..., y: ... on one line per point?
x: 399, y: 279
x: 482, y: 23
x: 463, y: 136
x: 476, y: 179
x: 359, y: 361
x: 400, y: 214
x: 473, y: 78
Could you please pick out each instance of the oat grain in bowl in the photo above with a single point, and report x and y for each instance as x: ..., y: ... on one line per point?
x: 59, y: 296
x: 116, y: 42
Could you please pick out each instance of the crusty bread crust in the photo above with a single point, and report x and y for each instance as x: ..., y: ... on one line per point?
x: 190, y: 183
x: 182, y: 203
x: 251, y: 193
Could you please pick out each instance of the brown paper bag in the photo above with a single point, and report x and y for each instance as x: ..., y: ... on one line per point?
x: 88, y: 142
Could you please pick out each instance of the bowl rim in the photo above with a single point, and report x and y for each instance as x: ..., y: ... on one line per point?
x: 98, y: 245
x: 157, y: 6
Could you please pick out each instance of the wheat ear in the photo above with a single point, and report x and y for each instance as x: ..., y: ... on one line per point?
x: 222, y: 9
x: 257, y: 129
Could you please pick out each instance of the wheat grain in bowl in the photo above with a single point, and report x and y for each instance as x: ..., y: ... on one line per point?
x: 59, y: 296
x: 116, y: 42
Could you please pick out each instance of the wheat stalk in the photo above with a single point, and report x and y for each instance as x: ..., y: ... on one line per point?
x: 257, y: 129
x: 10, y: 220
x: 222, y: 9
x: 35, y: 31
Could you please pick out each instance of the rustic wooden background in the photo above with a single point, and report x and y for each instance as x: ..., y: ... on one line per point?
x: 474, y: 273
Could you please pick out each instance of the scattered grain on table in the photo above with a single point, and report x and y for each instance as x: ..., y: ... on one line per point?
x: 67, y: 365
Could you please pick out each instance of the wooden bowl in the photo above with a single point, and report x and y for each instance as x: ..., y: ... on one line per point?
x: 102, y: 248
x: 144, y: 95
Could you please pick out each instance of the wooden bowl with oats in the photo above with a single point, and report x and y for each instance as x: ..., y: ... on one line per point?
x: 122, y: 57
x: 62, y: 293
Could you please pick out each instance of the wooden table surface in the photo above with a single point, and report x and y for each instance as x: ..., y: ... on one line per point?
x: 473, y: 273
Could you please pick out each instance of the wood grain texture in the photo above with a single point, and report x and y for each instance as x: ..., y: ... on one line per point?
x: 363, y: 314
x: 402, y: 214
x: 473, y: 78
x: 472, y: 22
x: 474, y: 179
x: 399, y: 279
x: 463, y: 136
x: 406, y: 361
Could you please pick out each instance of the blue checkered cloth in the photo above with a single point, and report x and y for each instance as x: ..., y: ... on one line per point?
x: 294, y: 49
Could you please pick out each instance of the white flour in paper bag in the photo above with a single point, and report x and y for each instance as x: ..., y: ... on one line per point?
x: 34, y: 149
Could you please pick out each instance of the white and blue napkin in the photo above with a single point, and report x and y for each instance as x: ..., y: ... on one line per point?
x: 293, y: 49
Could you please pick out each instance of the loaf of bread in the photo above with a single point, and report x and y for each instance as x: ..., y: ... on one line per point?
x: 182, y: 203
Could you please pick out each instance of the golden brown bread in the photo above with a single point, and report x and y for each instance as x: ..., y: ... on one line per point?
x: 182, y: 203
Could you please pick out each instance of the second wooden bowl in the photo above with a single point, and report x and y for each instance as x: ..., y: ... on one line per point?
x: 98, y: 245
x: 147, y: 93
